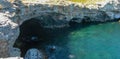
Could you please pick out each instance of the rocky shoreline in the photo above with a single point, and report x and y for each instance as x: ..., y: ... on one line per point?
x: 55, y: 14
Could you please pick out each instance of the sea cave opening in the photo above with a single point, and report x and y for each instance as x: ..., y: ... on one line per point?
x: 31, y: 33
x: 34, y: 35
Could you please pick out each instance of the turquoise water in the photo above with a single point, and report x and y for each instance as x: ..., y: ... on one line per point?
x: 96, y: 42
x: 101, y: 41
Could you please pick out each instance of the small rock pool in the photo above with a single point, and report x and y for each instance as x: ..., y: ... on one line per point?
x: 92, y: 41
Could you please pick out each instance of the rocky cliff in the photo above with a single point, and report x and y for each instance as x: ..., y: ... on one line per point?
x: 13, y: 14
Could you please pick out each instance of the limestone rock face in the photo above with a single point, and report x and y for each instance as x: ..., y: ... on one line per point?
x: 8, y: 33
x: 52, y: 13
x: 12, y: 58
x: 3, y: 48
x: 51, y: 20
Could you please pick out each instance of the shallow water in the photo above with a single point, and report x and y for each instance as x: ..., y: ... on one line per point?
x: 101, y: 41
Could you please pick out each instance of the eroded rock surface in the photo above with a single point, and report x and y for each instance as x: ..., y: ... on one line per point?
x: 12, y: 15
x: 3, y: 48
x: 12, y: 58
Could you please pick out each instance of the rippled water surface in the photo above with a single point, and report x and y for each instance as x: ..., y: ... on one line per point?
x: 101, y: 41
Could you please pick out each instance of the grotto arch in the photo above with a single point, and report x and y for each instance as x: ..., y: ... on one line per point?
x: 36, y: 31
x: 31, y: 32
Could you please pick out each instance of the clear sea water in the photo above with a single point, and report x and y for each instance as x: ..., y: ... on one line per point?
x: 100, y: 41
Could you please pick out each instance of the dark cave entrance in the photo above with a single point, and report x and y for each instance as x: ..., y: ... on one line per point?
x: 34, y: 35
x: 31, y: 33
